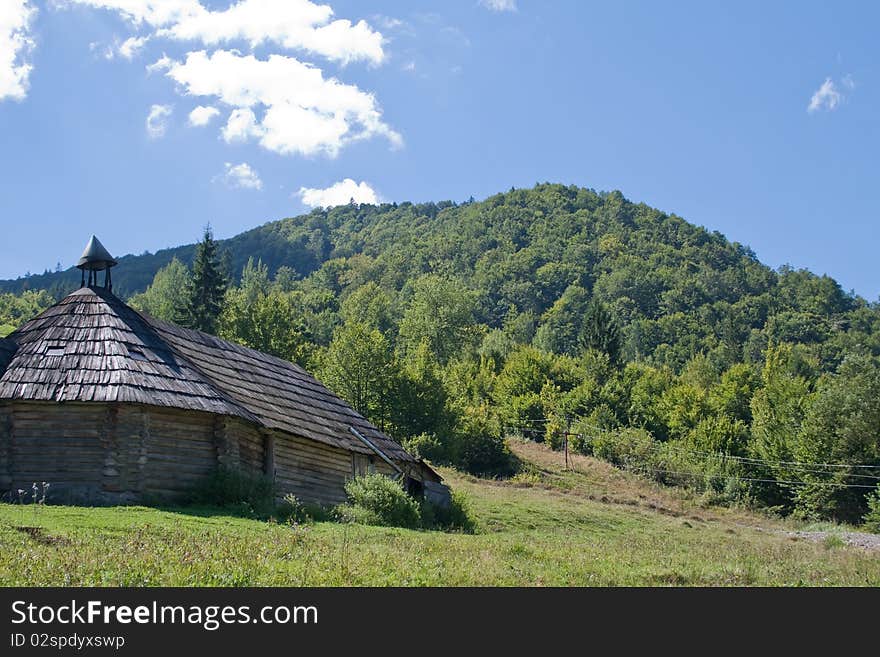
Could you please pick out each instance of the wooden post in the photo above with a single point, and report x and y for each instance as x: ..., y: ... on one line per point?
x: 565, y: 441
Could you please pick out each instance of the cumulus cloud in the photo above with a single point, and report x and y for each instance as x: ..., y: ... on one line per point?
x: 829, y: 95
x: 15, y: 42
x: 278, y: 101
x: 240, y: 176
x: 157, y: 120
x: 292, y: 24
x: 300, y: 111
x: 499, y: 5
x: 202, y: 115
x: 340, y: 193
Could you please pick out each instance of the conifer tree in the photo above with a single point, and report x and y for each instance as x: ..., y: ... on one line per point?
x: 599, y: 332
x: 207, y: 286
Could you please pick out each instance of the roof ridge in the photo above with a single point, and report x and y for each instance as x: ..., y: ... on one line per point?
x: 163, y: 324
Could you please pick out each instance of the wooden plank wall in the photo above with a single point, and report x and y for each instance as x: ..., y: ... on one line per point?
x: 61, y: 445
x: 251, y: 445
x: 180, y: 449
x: 97, y: 453
x: 312, y: 471
x: 121, y: 452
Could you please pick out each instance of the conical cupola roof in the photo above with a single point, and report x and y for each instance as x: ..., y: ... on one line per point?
x: 95, y: 256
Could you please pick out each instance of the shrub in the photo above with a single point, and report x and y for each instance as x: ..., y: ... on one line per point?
x: 454, y: 517
x: 872, y: 517
x: 476, y: 447
x: 291, y: 510
x: 427, y: 446
x: 242, y: 492
x: 375, y: 499
x: 624, y: 447
x: 480, y: 449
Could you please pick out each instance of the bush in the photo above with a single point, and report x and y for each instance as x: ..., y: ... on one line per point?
x: 872, y: 517
x: 455, y: 517
x: 628, y: 448
x: 476, y: 447
x: 427, y: 446
x: 242, y: 492
x: 375, y: 499
x: 291, y: 510
x: 484, y: 455
x: 480, y: 450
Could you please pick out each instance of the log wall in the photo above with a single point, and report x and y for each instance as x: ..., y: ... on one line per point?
x: 312, y: 471
x: 112, y: 453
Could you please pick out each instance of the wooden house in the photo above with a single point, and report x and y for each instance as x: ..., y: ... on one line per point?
x: 110, y: 405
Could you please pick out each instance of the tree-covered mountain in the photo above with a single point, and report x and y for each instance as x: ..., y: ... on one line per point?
x: 534, y: 258
x: 560, y: 314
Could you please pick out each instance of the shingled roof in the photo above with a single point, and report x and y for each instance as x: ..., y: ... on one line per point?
x: 91, y: 347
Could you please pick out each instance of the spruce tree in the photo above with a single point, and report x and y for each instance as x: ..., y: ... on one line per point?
x: 207, y: 287
x: 600, y: 332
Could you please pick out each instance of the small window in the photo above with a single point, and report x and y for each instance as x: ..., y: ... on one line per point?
x: 55, y: 350
x: 136, y: 354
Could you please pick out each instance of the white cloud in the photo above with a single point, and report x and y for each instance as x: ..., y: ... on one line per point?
x: 161, y: 64
x: 302, y: 112
x: 151, y: 12
x: 126, y: 49
x: 499, y: 5
x: 388, y: 22
x: 339, y: 193
x: 132, y: 46
x: 291, y: 24
x: 241, y: 126
x: 202, y: 115
x: 828, y: 97
x: 15, y: 42
x: 240, y: 176
x: 157, y: 120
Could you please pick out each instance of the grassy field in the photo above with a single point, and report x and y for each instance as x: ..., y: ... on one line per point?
x: 591, y: 526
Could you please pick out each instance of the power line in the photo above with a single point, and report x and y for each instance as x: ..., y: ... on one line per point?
x: 752, y: 479
x: 806, y: 467
x: 746, y: 459
x: 809, y: 468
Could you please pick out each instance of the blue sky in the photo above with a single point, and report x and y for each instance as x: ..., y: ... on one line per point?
x: 759, y: 120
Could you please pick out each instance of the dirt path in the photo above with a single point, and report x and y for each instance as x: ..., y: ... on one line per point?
x: 856, y: 539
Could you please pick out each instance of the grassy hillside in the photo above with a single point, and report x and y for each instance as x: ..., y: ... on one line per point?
x: 592, y: 526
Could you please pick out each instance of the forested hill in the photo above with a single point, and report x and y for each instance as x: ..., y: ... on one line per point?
x: 533, y: 258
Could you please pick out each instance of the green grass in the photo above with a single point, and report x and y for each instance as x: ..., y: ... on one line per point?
x: 594, y: 526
